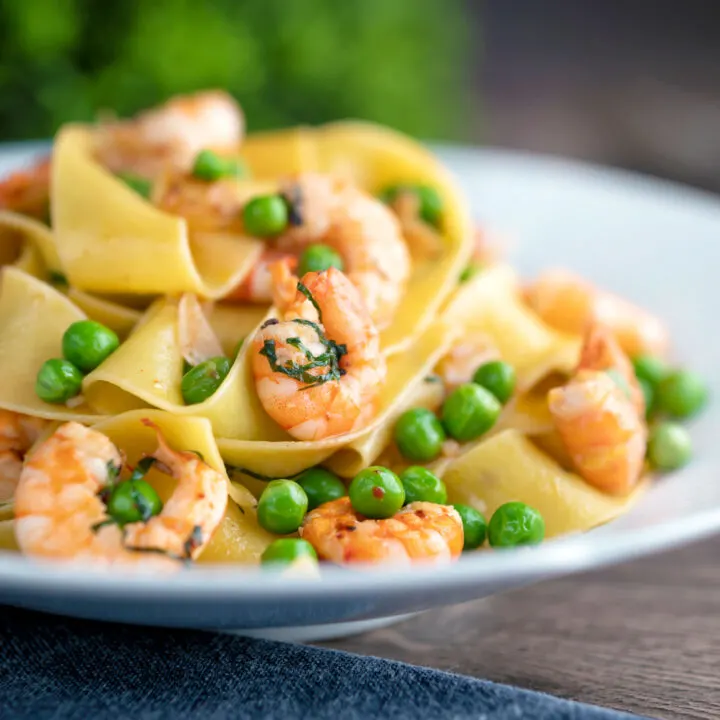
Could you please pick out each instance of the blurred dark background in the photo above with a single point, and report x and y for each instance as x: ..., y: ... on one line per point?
x: 634, y: 84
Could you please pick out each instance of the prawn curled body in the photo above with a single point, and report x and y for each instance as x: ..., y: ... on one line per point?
x: 60, y: 512
x: 421, y: 532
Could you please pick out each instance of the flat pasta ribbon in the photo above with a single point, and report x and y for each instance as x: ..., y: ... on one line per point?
x: 507, y: 467
x: 33, y: 318
x: 111, y: 240
x: 147, y: 369
x: 491, y: 303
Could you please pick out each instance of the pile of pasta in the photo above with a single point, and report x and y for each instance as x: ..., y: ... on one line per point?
x: 125, y: 263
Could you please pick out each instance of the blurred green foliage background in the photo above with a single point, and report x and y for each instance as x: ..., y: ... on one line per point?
x: 399, y: 62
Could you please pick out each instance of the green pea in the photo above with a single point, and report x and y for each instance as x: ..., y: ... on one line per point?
x: 201, y: 381
x: 651, y: 369
x: 133, y: 501
x: 498, y: 377
x: 142, y: 186
x: 87, y: 343
x: 286, y: 551
x: 58, y: 279
x: 320, y: 486
x: 515, y: 523
x: 430, y: 202
x: 469, y: 272
x: 648, y: 392
x: 376, y: 492
x: 421, y: 485
x: 58, y: 381
x: 469, y: 412
x: 282, y: 507
x: 209, y: 166
x: 474, y: 526
x: 681, y: 394
x: 669, y: 446
x: 317, y: 258
x: 265, y: 215
x: 419, y: 435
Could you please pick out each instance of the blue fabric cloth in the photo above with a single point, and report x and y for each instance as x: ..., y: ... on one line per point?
x: 66, y: 669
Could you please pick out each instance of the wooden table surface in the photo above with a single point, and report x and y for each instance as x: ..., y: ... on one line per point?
x: 642, y: 637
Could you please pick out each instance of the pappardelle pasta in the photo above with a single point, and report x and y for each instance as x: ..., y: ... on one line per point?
x: 294, y: 347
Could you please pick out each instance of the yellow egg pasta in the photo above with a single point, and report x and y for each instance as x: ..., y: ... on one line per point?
x: 491, y: 303
x: 508, y: 467
x: 147, y: 370
x: 110, y: 240
x: 20, y: 231
x: 33, y: 318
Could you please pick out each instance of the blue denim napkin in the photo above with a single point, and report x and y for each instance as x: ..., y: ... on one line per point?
x: 65, y: 669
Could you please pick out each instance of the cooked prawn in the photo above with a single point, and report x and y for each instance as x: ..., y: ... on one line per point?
x: 464, y: 358
x: 10, y: 468
x: 206, y: 206
x: 421, y: 532
x: 171, y: 135
x: 600, y: 419
x: 569, y: 303
x: 257, y: 286
x: 360, y: 228
x: 60, y: 513
x: 18, y: 433
x: 27, y: 191
x: 318, y: 370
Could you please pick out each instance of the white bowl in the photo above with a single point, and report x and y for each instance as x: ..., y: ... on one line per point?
x: 652, y: 241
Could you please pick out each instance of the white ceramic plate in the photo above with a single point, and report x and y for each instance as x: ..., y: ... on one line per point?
x: 656, y: 243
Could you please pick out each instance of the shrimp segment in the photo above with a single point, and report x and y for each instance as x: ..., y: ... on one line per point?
x: 465, y: 357
x: 171, y: 135
x: 189, y: 518
x: 258, y: 284
x: 18, y: 433
x: 10, y: 468
x: 360, y: 228
x: 569, y: 303
x: 27, y: 191
x: 600, y: 423
x: 319, y: 371
x: 421, y: 532
x: 60, y: 513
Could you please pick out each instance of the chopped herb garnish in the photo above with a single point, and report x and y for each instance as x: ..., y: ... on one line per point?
x: 433, y: 378
x: 113, y: 471
x: 469, y: 272
x: 231, y: 469
x: 293, y: 198
x: 142, y: 468
x: 194, y: 541
x: 310, y: 297
x: 329, y: 359
x: 199, y: 454
x: 57, y: 278
x: 102, y: 524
